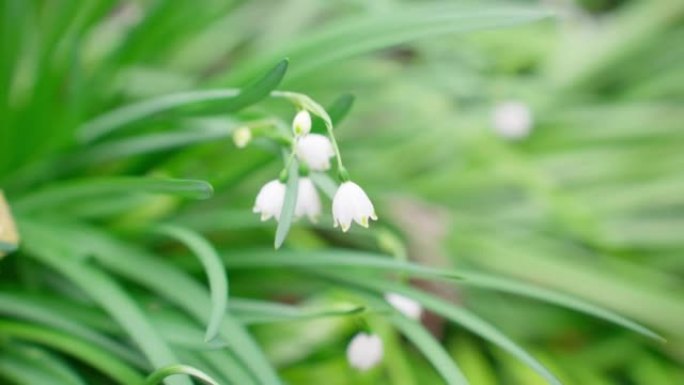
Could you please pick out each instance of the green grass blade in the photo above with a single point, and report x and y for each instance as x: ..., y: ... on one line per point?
x: 255, y: 259
x: 252, y: 311
x: 35, y: 359
x: 554, y: 297
x: 26, y: 307
x: 23, y: 370
x: 287, y: 213
x: 214, y: 269
x: 61, y: 193
x: 450, y: 311
x: 359, y: 34
x: 175, y: 286
x: 149, y: 143
x: 264, y: 258
x: 98, y: 359
x: 160, y: 374
x: 431, y: 349
x: 47, y: 245
x: 229, y: 100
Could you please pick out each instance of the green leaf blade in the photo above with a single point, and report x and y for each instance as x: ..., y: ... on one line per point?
x: 231, y: 99
x: 287, y: 213
x: 214, y: 269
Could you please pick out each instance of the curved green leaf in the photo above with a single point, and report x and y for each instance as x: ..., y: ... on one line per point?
x: 160, y: 374
x: 213, y: 267
x: 554, y: 297
x: 48, y: 246
x: 450, y: 311
x: 432, y: 349
x: 64, y: 319
x: 175, y: 286
x: 61, y: 193
x: 230, y: 100
x: 98, y: 359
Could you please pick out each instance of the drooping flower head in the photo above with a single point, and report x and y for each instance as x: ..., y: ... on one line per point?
x: 364, y: 351
x: 352, y: 204
x: 512, y: 120
x: 308, y: 201
x: 301, y: 124
x: 269, y: 201
x: 407, y: 306
x: 315, y: 151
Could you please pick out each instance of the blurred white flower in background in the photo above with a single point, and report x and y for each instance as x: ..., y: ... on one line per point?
x: 269, y: 201
x: 352, y: 203
x: 407, y: 306
x: 242, y: 136
x: 512, y: 120
x: 301, y: 124
x: 308, y: 201
x: 315, y: 151
x: 364, y: 351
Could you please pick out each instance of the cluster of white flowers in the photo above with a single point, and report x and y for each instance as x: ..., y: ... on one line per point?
x: 350, y: 202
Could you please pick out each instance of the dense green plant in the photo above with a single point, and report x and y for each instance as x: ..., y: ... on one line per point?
x: 117, y: 161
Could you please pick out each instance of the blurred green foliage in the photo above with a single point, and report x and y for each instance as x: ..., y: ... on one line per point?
x: 590, y: 204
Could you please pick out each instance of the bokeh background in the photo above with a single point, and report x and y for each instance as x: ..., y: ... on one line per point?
x: 587, y: 201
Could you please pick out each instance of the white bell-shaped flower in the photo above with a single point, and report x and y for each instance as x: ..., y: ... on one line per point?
x: 315, y: 151
x: 269, y: 201
x: 308, y: 201
x: 364, y: 351
x: 406, y: 306
x: 352, y: 203
x: 301, y: 124
x: 512, y: 120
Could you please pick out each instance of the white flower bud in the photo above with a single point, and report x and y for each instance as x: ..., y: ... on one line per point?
x: 352, y: 203
x: 512, y: 120
x: 301, y: 124
x: 269, y: 201
x: 315, y: 151
x: 308, y: 201
x: 364, y: 351
x: 407, y: 306
x: 242, y: 136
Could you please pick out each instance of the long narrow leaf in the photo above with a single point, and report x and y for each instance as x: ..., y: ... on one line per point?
x: 288, y: 210
x: 452, y: 312
x: 65, y: 192
x: 47, y: 246
x: 98, y: 359
x: 214, y: 269
x: 231, y: 100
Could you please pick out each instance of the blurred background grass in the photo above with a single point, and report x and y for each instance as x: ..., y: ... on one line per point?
x: 590, y: 203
